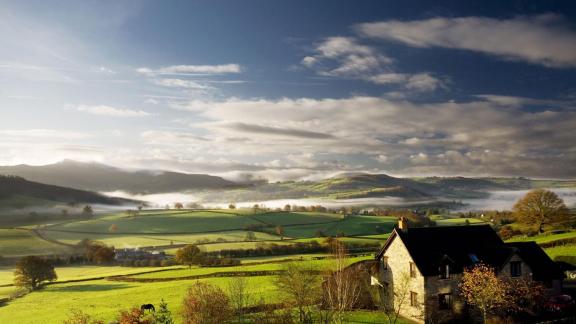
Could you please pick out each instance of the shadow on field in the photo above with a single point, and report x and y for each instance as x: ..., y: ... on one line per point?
x: 88, y: 287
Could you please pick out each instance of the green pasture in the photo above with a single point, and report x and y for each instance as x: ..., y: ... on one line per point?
x: 459, y: 221
x: 287, y: 218
x: 19, y: 242
x: 545, y: 237
x: 103, y: 298
x: 562, y: 250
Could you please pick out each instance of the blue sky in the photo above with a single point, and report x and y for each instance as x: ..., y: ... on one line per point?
x: 292, y: 89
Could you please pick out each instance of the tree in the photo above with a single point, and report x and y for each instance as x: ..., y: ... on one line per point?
x: 232, y: 206
x: 178, y: 205
x: 300, y: 287
x: 98, y: 252
x: 342, y: 287
x: 163, y: 315
x: 280, y: 231
x: 237, y: 290
x: 87, y: 211
x: 481, y: 288
x: 189, y: 255
x: 133, y: 316
x: 32, y: 271
x: 540, y: 207
x: 113, y: 228
x: 206, y: 304
x: 250, y: 236
x: 287, y: 207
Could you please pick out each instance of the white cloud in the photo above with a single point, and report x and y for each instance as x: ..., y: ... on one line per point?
x: 192, y: 69
x: 104, y: 110
x: 179, y: 83
x: 543, y: 39
x: 344, y: 57
x: 43, y: 133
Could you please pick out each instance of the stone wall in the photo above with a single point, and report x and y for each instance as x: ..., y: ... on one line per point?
x: 397, y: 271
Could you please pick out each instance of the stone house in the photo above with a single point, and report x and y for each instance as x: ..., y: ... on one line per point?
x: 427, y: 265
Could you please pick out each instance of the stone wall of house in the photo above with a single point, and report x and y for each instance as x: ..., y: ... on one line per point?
x: 505, y: 270
x: 397, y: 271
x: 434, y: 287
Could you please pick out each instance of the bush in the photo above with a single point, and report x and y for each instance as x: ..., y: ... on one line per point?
x: 79, y: 317
x: 206, y: 304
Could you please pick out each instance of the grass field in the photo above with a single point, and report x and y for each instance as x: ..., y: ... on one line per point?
x: 103, y: 298
x: 545, y: 238
x: 16, y: 242
x: 563, y: 250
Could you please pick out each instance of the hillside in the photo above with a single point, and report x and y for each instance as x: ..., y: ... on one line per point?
x: 362, y: 185
x: 99, y: 177
x: 17, y: 192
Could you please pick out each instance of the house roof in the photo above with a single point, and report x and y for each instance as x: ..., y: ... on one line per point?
x: 543, y: 268
x: 463, y: 246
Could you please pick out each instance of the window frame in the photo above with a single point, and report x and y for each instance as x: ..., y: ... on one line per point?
x: 444, y: 271
x: 442, y: 304
x: 413, y: 272
x: 413, y: 299
x: 515, y: 268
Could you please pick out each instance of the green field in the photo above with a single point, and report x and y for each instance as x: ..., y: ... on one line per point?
x: 19, y: 242
x: 103, y: 298
x: 545, y: 238
x: 458, y: 221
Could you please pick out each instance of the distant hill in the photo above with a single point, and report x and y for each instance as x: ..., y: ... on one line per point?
x: 17, y: 192
x: 99, y: 177
x: 363, y: 185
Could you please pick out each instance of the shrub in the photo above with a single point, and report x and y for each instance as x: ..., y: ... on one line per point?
x: 206, y: 304
x: 79, y: 317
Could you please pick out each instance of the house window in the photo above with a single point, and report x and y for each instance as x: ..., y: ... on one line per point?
x: 413, y: 299
x: 444, y: 301
x: 515, y: 269
x: 385, y: 263
x: 412, y: 270
x: 445, y: 271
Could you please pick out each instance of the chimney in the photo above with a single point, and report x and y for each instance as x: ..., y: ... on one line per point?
x: 403, y: 224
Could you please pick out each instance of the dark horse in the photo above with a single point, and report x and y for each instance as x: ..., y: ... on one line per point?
x: 146, y: 307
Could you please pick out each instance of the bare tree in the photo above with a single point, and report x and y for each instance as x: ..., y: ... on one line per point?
x: 391, y: 300
x: 237, y: 291
x: 342, y: 287
x: 301, y: 287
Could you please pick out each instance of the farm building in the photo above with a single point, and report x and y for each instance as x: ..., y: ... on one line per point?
x: 129, y: 254
x: 431, y: 261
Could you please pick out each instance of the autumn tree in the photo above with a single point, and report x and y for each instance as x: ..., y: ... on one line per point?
x: 482, y: 289
x: 231, y: 206
x: 32, y: 271
x: 206, y: 304
x: 98, y: 252
x: 280, y: 231
x: 540, y: 207
x: 287, y: 207
x: 113, y: 228
x: 134, y: 316
x: 300, y: 287
x: 189, y: 255
x: 178, y: 205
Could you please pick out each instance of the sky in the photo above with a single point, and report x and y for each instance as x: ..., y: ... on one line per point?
x: 292, y: 90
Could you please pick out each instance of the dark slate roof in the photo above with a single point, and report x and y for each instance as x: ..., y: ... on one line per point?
x: 543, y: 268
x: 463, y: 246
x: 460, y: 246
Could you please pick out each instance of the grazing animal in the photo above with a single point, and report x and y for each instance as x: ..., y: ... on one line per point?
x: 146, y: 307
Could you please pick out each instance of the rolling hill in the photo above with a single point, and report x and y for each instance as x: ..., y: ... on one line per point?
x: 17, y: 192
x: 99, y: 177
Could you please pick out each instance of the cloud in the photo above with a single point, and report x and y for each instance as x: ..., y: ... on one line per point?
x: 477, y: 136
x: 103, y: 110
x: 43, y: 133
x: 179, y: 83
x: 192, y: 69
x: 344, y: 57
x: 543, y: 39
x: 278, y: 131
